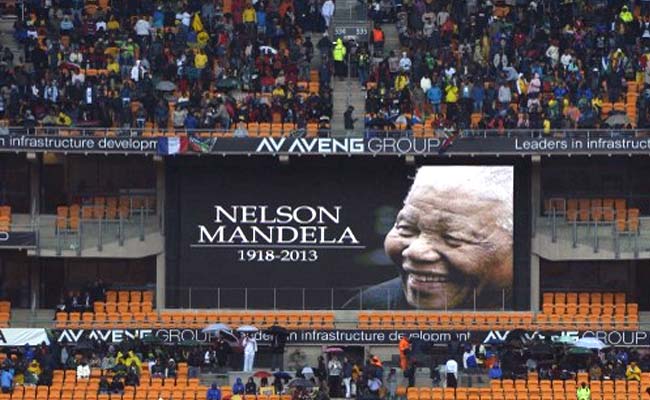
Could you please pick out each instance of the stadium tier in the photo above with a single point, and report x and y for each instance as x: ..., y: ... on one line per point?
x: 314, y: 200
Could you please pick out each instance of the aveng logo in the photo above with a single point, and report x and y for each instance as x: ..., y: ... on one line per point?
x: 4, y: 236
x: 311, y: 145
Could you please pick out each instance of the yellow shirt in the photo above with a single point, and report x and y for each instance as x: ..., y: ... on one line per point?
x: 200, y: 61
x: 249, y: 16
x: 113, y: 25
x: 113, y: 67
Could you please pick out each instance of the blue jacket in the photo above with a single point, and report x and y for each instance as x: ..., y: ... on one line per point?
x: 6, y: 379
x: 213, y: 393
x: 495, y: 373
x: 238, y: 387
x: 434, y: 94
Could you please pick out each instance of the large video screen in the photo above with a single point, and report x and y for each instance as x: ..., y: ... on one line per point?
x: 429, y: 237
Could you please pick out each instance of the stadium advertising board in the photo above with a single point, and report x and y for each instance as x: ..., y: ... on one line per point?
x: 435, y: 237
x: 17, y: 239
x: 392, y: 145
x: 11, y: 337
x: 350, y: 336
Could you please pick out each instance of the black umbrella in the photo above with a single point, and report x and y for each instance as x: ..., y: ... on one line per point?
x: 189, y: 343
x: 282, y: 375
x: 84, y: 345
x: 151, y: 339
x: 300, y: 382
x: 276, y: 330
x: 228, y: 84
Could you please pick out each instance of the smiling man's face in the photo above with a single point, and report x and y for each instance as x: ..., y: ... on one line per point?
x: 448, y: 242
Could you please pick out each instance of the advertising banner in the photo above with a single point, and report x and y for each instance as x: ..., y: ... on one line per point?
x: 386, y: 144
x: 20, y: 337
x: 17, y: 239
x: 436, y: 237
x: 350, y: 336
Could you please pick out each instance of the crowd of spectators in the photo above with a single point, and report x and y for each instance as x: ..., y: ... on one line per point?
x: 542, y: 64
x: 190, y: 64
x: 82, y: 300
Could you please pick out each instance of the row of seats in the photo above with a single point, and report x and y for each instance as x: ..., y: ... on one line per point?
x: 194, y: 319
x: 5, y: 313
x: 5, y: 218
x: 586, y: 322
x: 110, y: 208
x: 444, y: 320
x: 559, y: 298
x: 590, y: 309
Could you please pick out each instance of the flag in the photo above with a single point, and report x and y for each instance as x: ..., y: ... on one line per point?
x: 172, y: 145
x: 447, y: 142
x: 200, y: 144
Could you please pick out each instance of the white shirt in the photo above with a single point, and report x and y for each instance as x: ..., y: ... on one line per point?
x: 142, y: 27
x: 100, y: 25
x: 405, y: 64
x: 83, y: 372
x: 328, y: 8
x: 250, y: 346
x: 425, y: 84
x: 452, y: 367
x: 135, y: 73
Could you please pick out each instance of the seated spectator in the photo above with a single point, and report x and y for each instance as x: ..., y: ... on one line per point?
x: 214, y: 393
x: 132, y: 378
x: 83, y: 370
x: 32, y: 373
x: 251, y: 387
x: 495, y: 372
x: 104, y: 385
x: 6, y: 380
x: 117, y: 387
x: 170, y: 369
x: 633, y: 372
x: 238, y: 387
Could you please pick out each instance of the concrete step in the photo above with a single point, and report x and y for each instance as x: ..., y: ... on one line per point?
x: 38, y: 318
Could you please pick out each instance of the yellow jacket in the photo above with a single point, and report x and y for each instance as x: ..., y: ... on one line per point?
x: 339, y: 50
x: 451, y: 94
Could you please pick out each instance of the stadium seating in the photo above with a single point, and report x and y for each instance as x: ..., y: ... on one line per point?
x: 108, y: 208
x: 587, y: 310
x: 445, y: 320
x: 5, y: 313
x: 5, y: 218
x: 66, y: 386
x: 534, y: 388
x: 134, y: 309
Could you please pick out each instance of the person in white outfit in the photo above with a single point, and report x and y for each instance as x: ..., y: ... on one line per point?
x: 250, y: 348
x: 327, y: 11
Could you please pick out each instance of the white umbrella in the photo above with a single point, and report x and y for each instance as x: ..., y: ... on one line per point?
x: 565, y: 339
x: 590, y: 343
x: 247, y: 328
x: 218, y: 327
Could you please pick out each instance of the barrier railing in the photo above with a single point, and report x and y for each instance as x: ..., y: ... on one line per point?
x: 326, y: 132
x: 338, y: 298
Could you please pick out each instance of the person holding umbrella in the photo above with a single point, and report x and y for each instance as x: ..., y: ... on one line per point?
x: 250, y: 348
x: 334, y: 376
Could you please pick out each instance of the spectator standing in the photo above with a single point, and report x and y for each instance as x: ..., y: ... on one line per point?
x: 451, y: 368
x: 338, y: 54
x: 327, y: 11
x: 334, y: 368
x: 250, y: 348
x: 83, y: 371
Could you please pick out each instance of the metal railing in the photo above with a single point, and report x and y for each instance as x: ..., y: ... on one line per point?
x: 369, y: 131
x: 333, y: 298
x: 598, y: 234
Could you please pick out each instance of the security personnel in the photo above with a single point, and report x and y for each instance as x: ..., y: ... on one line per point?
x: 583, y: 392
x: 626, y: 15
x: 338, y: 53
